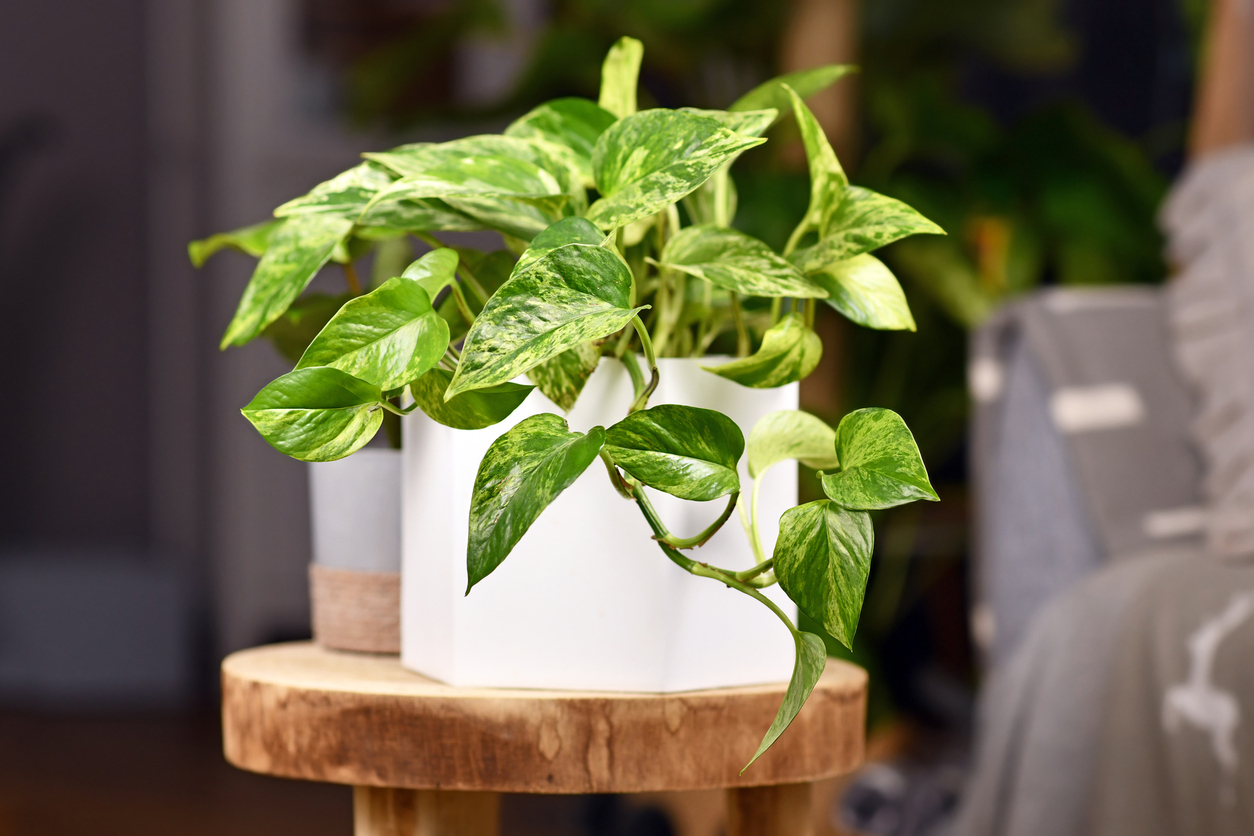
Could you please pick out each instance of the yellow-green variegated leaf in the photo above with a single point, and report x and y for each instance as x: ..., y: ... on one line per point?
x: 252, y: 240
x: 434, y: 271
x: 805, y: 82
x: 748, y: 122
x: 345, y: 194
x: 789, y: 352
x: 827, y: 179
x: 566, y: 231
x: 561, y: 300
x: 791, y: 434
x: 469, y: 410
x: 571, y: 122
x: 647, y: 161
x: 297, y: 251
x: 685, y: 451
x: 562, y: 378
x: 316, y: 415
x: 732, y: 260
x: 822, y: 560
x: 388, y: 337
x: 866, y: 291
x: 811, y: 659
x: 620, y: 76
x: 861, y: 221
x: 714, y: 201
x: 880, y: 465
x: 292, y: 332
x: 397, y: 211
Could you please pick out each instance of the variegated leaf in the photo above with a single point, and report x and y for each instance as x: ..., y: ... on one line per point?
x: 563, y: 299
x: 316, y: 415
x: 685, y: 451
x: 252, y: 240
x: 735, y: 261
x: 789, y: 352
x: 805, y: 82
x: 811, y: 660
x: 880, y: 465
x: 866, y: 291
x: 650, y: 160
x: 345, y: 194
x: 562, y: 378
x: 827, y: 179
x: 620, y: 76
x: 791, y: 434
x: 861, y: 221
x: 571, y: 122
x: 469, y: 410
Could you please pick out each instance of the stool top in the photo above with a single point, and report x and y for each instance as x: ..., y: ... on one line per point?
x: 302, y: 711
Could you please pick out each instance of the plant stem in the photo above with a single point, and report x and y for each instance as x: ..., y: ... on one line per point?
x: 642, y: 400
x: 462, y: 307
x: 397, y: 411
x: 429, y: 239
x: 472, y: 282
x: 633, y: 371
x: 812, y: 308
x: 704, y: 537
x: 350, y: 275
x: 795, y: 238
x: 615, y: 479
x: 742, y: 334
x: 748, y: 574
x: 777, y: 310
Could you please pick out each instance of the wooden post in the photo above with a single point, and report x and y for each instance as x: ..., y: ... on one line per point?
x: 782, y: 810
x: 378, y: 811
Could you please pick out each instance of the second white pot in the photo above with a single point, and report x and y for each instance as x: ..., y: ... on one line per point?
x: 586, y: 600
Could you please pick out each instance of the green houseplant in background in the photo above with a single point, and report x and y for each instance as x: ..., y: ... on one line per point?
x: 648, y: 264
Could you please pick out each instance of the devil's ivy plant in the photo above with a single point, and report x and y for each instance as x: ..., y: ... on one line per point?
x: 617, y: 226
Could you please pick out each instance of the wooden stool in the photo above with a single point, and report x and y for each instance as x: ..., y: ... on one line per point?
x: 426, y: 758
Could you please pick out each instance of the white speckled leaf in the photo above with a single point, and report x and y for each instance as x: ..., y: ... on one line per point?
x: 620, y: 75
x: 791, y: 434
x: 685, y: 451
x: 735, y: 261
x: 827, y: 179
x: 563, y: 299
x: 880, y: 463
x: 861, y: 221
x: 571, y: 122
x: 650, y: 160
x: 789, y: 352
x: 297, y: 250
x: 252, y: 240
x: 345, y: 195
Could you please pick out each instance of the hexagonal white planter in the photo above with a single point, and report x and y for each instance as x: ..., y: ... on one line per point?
x: 586, y: 600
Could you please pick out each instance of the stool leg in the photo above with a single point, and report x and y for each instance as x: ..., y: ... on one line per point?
x: 380, y: 811
x: 782, y: 810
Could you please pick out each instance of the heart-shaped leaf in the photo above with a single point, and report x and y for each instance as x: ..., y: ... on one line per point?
x: 296, y: 252
x: 252, y: 240
x: 647, y: 161
x: 522, y: 472
x: 880, y: 463
x: 566, y: 231
x: 562, y: 378
x: 685, y: 451
x: 434, y: 271
x: 827, y: 179
x: 822, y: 559
x: 316, y: 415
x: 789, y: 352
x: 397, y: 211
x: 747, y: 123
x: 345, y: 194
x: 811, y: 660
x: 469, y: 410
x: 771, y: 94
x: 620, y: 74
x: 861, y: 221
x: 563, y: 299
x: 572, y: 122
x: 292, y: 332
x: 735, y: 261
x: 791, y: 434
x: 388, y: 337
x: 866, y: 291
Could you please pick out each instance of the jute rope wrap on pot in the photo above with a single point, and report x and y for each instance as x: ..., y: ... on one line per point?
x: 355, y: 610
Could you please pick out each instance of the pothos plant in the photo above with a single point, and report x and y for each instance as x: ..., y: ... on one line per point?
x: 619, y: 243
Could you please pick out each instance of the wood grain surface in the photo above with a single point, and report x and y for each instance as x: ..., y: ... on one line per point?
x: 302, y: 711
x: 355, y: 610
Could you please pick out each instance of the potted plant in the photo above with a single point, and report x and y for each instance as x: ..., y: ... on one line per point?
x: 615, y: 308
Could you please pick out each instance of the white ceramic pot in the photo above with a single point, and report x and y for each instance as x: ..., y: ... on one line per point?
x: 586, y: 600
x: 354, y: 580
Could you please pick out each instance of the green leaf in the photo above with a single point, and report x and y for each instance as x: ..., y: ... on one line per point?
x: 316, y: 415
x: 434, y: 271
x: 387, y: 337
x: 562, y: 378
x: 298, y: 249
x: 822, y: 559
x: 571, y: 122
x: 866, y: 291
x: 400, y: 212
x: 861, y: 221
x: 789, y: 352
x: 566, y: 231
x: 827, y: 179
x: 344, y: 195
x: 685, y: 451
x: 748, y: 123
x: 805, y: 82
x: 811, y: 660
x: 469, y: 410
x: 620, y: 74
x: 649, y: 160
x: 252, y: 240
x: 563, y: 299
x: 791, y: 434
x: 880, y: 463
x: 522, y: 472
x: 292, y: 332
x: 735, y: 261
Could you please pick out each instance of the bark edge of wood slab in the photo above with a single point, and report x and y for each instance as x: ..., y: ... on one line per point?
x: 302, y: 711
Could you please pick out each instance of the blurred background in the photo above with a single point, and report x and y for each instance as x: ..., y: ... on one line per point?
x: 146, y: 530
